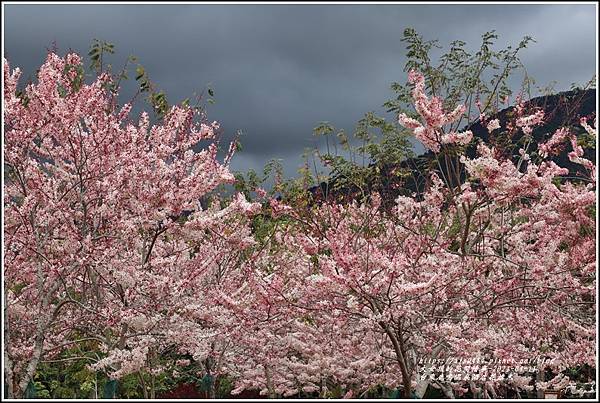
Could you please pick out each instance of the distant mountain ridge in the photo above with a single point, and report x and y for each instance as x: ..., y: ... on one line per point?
x: 561, y: 110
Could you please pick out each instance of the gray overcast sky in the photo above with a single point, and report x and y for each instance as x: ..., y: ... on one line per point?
x: 278, y: 70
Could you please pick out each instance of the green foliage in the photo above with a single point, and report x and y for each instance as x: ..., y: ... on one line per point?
x: 23, y: 96
x: 248, y: 182
x: 456, y: 226
x: 68, y: 376
x: 96, y: 53
x: 156, y: 98
x: 31, y: 390
x: 362, y: 163
x: 224, y: 387
x: 394, y: 394
x: 77, y: 81
x: 262, y: 227
x: 206, y: 382
x: 591, y: 211
x: 129, y: 387
x: 142, y: 78
x: 586, y: 141
x: 110, y: 389
x: 62, y: 91
x: 18, y: 287
x: 461, y: 76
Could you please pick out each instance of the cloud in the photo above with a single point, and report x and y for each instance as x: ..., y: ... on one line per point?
x: 278, y: 70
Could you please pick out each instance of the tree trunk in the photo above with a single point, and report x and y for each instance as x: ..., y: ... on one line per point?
x: 539, y: 377
x: 42, y: 321
x: 212, y: 393
x: 10, y: 379
x: 401, y: 360
x: 143, y: 383
x: 152, y: 387
x: 8, y: 370
x: 211, y: 381
x: 270, y: 387
x: 37, y: 351
x: 423, y: 384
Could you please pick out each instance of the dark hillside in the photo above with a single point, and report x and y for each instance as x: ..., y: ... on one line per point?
x: 563, y: 109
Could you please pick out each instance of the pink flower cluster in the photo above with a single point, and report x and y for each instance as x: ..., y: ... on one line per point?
x: 553, y: 146
x: 431, y: 111
x: 527, y: 123
x: 493, y: 125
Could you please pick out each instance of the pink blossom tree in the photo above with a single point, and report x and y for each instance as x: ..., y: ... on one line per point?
x: 500, y: 267
x: 107, y: 242
x: 106, y: 239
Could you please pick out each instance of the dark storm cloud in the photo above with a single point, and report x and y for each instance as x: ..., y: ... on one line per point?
x: 278, y: 70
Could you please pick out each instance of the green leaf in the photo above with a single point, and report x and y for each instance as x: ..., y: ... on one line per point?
x: 394, y: 394
x: 140, y: 72
x: 30, y: 392
x: 110, y: 389
x: 62, y: 92
x: 206, y: 382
